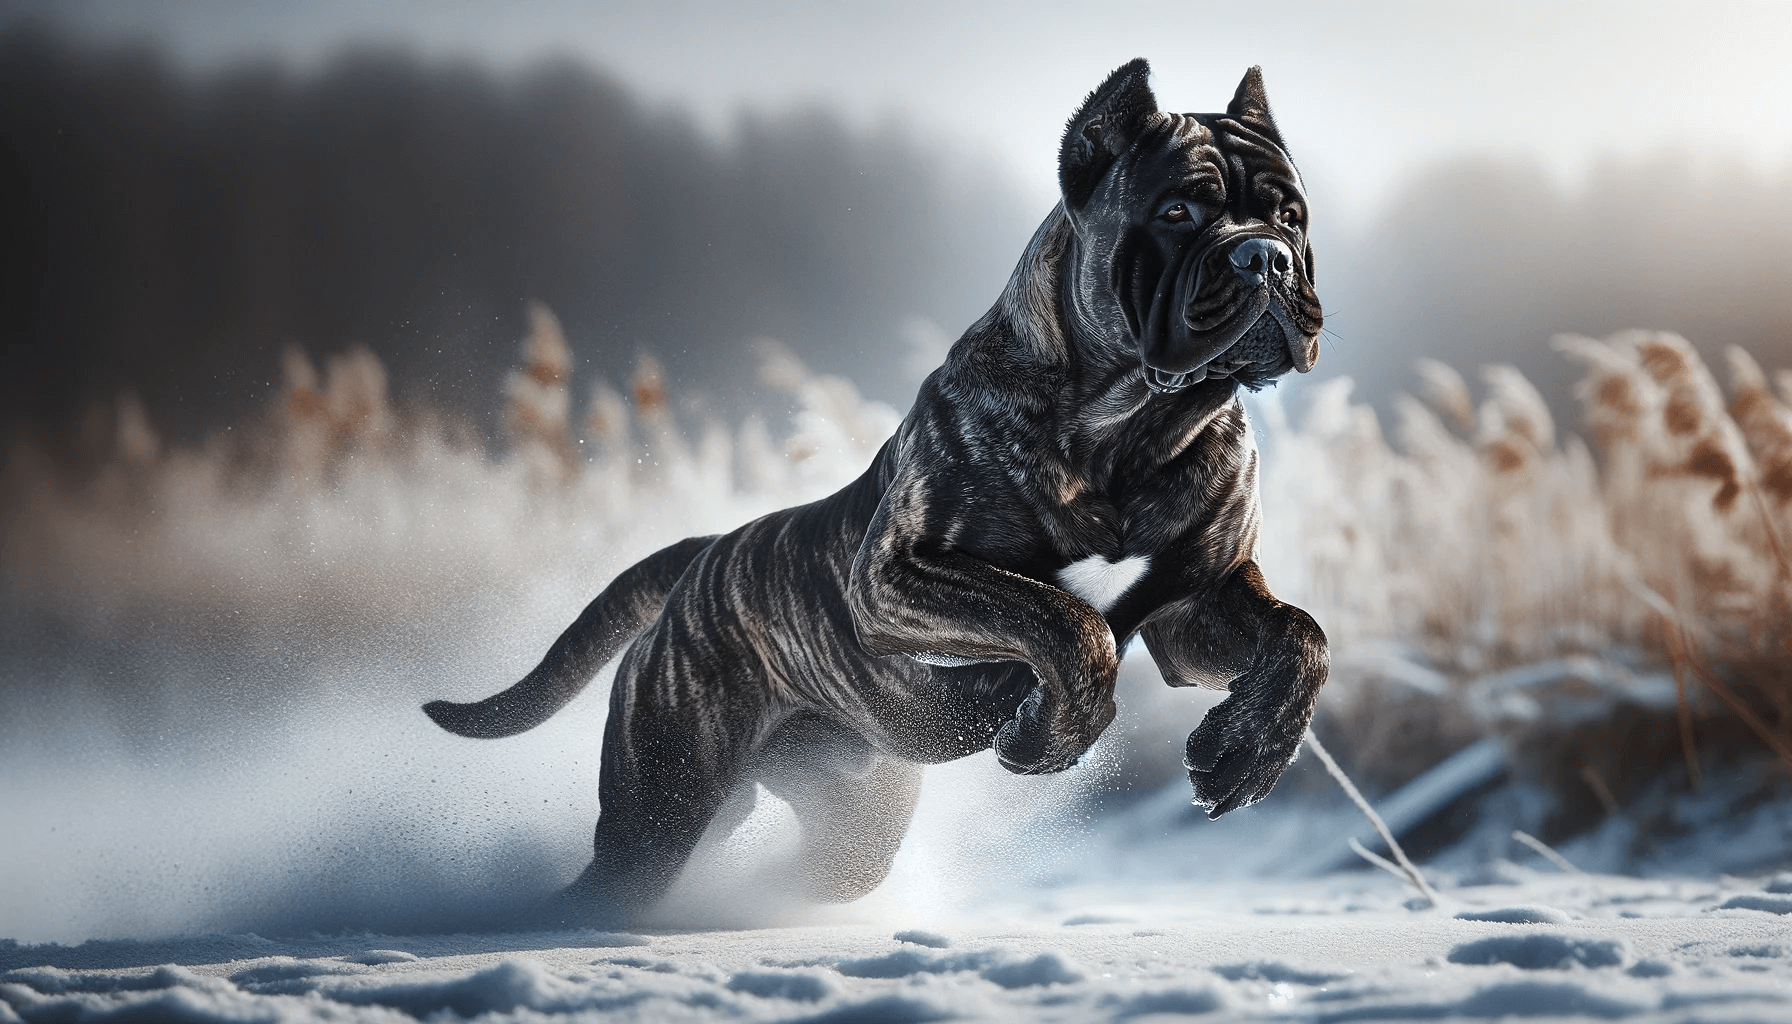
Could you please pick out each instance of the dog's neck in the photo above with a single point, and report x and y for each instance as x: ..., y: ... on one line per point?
x: 1030, y: 306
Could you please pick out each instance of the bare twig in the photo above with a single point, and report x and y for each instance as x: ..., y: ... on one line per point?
x: 1381, y: 827
x: 1682, y: 641
x: 1378, y: 860
x: 1546, y: 851
x: 1773, y: 534
x: 1645, y: 593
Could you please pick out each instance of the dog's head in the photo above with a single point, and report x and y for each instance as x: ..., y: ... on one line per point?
x: 1192, y: 235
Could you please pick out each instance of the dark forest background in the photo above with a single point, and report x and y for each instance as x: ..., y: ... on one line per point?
x: 171, y: 233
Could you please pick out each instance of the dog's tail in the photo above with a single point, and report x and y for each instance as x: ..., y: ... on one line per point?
x: 627, y: 606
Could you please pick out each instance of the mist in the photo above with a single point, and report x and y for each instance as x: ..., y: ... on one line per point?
x: 170, y: 233
x: 215, y: 659
x: 1486, y: 260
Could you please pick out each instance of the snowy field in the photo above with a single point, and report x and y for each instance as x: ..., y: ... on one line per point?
x: 222, y: 804
x: 1530, y: 943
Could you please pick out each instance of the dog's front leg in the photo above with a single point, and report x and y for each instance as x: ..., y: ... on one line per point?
x: 913, y: 592
x: 1274, y: 658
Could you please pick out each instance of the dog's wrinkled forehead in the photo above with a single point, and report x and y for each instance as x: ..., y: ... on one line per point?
x: 1207, y: 158
x: 1120, y: 146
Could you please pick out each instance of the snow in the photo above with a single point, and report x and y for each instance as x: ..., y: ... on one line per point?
x: 923, y: 938
x: 1516, y: 915
x: 1540, y: 943
x: 333, y: 857
x: 1540, y: 951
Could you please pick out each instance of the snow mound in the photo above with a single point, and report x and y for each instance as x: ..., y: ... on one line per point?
x: 1044, y: 969
x: 503, y: 988
x: 1540, y: 952
x: 1186, y: 1001
x: 1509, y: 999
x: 882, y: 1010
x: 1770, y: 904
x: 375, y: 957
x: 1516, y: 915
x: 797, y: 986
x: 279, y: 976
x: 908, y: 962
x: 933, y: 940
x: 168, y: 993
x: 1081, y: 919
x: 1276, y: 973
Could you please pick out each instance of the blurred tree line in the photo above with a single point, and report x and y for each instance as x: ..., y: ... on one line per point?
x: 171, y: 233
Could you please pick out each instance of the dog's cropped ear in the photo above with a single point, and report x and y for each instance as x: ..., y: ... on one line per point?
x: 1108, y: 122
x: 1250, y: 107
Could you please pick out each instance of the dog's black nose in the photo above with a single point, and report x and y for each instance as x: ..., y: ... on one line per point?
x: 1257, y: 258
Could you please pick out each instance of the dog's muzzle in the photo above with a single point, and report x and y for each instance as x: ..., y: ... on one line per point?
x: 1268, y: 339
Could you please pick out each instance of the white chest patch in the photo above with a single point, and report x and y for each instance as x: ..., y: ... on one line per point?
x: 1101, y: 582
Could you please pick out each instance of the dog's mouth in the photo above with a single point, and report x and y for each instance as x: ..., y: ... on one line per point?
x: 1166, y: 383
x: 1262, y: 353
x: 1240, y: 310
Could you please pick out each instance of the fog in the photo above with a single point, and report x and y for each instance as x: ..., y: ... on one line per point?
x: 171, y: 230
x: 1484, y: 261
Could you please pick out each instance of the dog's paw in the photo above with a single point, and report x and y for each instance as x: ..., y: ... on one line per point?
x: 1024, y: 744
x: 1035, y: 742
x: 1030, y: 751
x: 1237, y: 753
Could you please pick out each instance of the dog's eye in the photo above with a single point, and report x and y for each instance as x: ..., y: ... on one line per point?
x: 1291, y: 217
x: 1177, y: 213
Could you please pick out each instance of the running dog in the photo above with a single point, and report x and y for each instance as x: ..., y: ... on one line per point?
x: 1078, y: 473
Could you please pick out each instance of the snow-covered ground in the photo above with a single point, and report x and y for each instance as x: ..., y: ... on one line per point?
x: 1012, y: 899
x: 1343, y: 948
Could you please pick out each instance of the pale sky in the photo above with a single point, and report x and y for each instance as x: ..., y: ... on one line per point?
x: 1365, y: 92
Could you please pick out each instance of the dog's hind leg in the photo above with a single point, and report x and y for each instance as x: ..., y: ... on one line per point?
x: 852, y: 802
x: 683, y: 725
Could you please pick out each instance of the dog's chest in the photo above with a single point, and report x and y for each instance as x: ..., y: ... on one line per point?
x: 1096, y: 552
x: 1101, y: 582
x: 1108, y: 530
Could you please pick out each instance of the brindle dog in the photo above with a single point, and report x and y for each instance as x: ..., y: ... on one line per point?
x: 1079, y: 472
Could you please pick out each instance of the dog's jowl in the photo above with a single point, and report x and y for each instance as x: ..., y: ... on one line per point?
x: 1078, y: 473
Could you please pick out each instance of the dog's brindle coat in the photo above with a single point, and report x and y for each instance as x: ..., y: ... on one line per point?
x: 1079, y: 472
